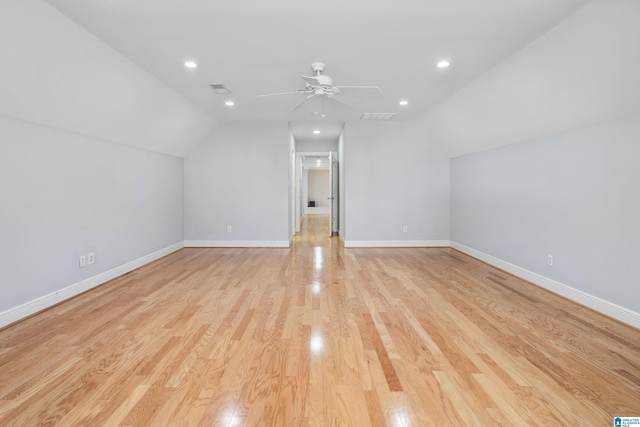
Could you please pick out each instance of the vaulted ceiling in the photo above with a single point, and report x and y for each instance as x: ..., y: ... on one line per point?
x: 255, y: 47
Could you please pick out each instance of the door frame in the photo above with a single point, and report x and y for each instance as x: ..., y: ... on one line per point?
x: 334, y: 180
x: 298, y: 184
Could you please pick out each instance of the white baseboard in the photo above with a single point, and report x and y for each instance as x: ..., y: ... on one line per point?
x: 236, y: 243
x: 396, y: 243
x: 31, y: 307
x: 317, y: 210
x: 598, y: 304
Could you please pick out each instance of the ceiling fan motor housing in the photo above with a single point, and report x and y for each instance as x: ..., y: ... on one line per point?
x: 317, y: 67
x: 322, y: 85
x: 324, y: 80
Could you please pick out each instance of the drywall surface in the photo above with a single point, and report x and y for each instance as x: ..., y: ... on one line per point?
x: 582, y: 72
x: 318, y: 185
x: 573, y: 195
x: 56, y: 73
x: 64, y: 195
x: 394, y: 177
x: 317, y: 146
x: 238, y: 177
x: 341, y: 187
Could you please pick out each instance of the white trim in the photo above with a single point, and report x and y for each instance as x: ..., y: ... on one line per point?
x: 236, y: 244
x: 299, y: 181
x: 598, y: 304
x: 396, y: 243
x: 36, y: 305
x: 317, y: 210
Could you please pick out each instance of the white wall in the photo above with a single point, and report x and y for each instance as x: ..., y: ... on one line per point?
x: 573, y: 195
x: 64, y: 194
x: 318, y: 146
x: 292, y: 185
x: 238, y: 177
x: 582, y: 72
x: 341, y: 188
x: 56, y: 73
x: 318, y: 187
x: 568, y: 104
x: 394, y: 177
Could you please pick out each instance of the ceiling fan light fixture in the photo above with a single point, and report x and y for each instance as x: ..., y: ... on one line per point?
x: 403, y: 102
x: 321, y: 85
x: 229, y: 103
x: 316, y: 132
x: 443, y: 64
x: 190, y: 64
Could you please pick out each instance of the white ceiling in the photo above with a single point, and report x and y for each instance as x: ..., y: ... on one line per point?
x: 315, y: 162
x: 329, y: 129
x: 255, y: 47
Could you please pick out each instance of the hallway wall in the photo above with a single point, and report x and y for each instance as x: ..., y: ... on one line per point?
x: 238, y: 177
x: 394, y: 177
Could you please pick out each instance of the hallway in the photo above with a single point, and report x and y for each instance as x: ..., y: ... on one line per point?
x: 318, y: 335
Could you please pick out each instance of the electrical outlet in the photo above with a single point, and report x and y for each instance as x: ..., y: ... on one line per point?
x: 229, y: 229
x: 83, y: 261
x: 550, y: 260
x: 90, y: 258
x: 404, y: 229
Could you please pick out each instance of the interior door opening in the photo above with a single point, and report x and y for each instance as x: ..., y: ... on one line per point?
x: 316, y: 182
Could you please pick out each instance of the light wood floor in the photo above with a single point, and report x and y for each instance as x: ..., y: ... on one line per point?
x: 318, y: 335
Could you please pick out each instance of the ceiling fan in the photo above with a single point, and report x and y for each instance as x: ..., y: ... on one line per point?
x: 322, y: 85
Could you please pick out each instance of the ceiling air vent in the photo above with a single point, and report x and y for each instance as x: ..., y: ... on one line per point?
x: 377, y: 116
x: 220, y: 89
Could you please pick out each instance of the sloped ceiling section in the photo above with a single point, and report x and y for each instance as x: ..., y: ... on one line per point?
x: 258, y: 47
x: 584, y: 71
x: 56, y: 73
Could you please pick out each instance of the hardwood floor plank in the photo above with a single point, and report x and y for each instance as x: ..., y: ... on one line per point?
x: 129, y: 403
x: 383, y: 357
x: 318, y: 335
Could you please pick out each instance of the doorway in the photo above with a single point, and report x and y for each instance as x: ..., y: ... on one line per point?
x: 316, y: 187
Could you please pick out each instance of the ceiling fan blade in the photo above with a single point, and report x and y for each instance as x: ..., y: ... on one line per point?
x: 345, y: 99
x: 302, y: 101
x: 281, y: 93
x: 312, y: 80
x: 375, y: 89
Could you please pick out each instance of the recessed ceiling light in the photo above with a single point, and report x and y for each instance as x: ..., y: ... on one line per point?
x: 316, y: 131
x: 229, y: 103
x: 190, y: 64
x: 403, y: 102
x: 443, y: 64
